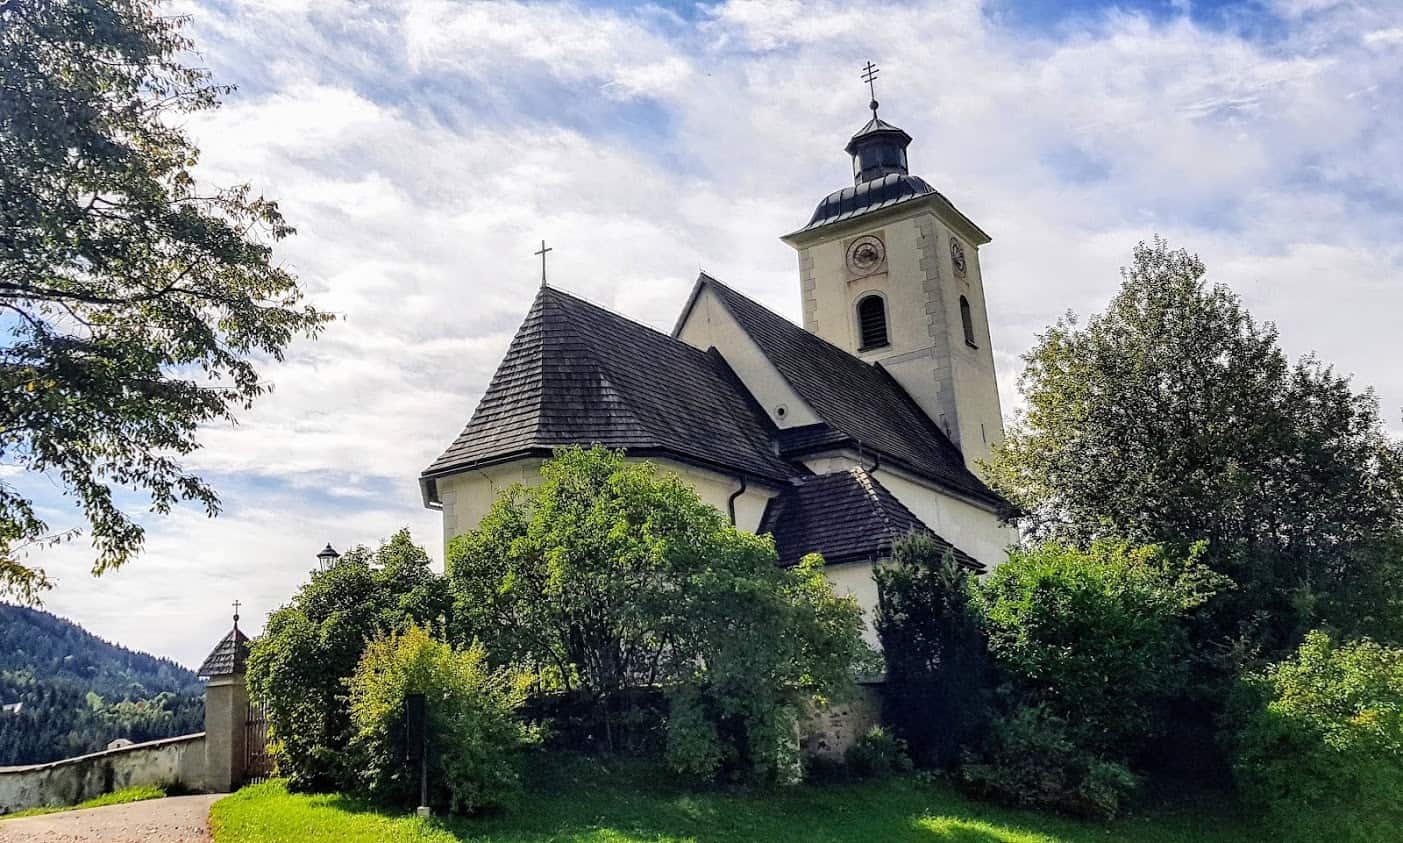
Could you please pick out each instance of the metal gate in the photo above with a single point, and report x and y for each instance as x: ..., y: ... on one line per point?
x: 258, y: 762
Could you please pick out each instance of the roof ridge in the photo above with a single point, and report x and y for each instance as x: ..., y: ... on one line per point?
x: 869, y: 487
x: 614, y: 313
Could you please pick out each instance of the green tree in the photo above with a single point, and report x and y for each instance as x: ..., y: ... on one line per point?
x: 298, y: 668
x: 1173, y: 417
x: 610, y: 575
x: 935, y: 695
x: 136, y: 301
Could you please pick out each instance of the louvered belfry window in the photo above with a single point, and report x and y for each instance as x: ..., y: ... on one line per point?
x: 872, y: 323
x: 967, y: 320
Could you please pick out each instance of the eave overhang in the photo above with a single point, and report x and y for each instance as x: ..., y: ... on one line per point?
x: 428, y: 480
x: 934, y: 202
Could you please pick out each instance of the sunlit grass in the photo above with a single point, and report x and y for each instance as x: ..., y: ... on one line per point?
x: 587, y: 801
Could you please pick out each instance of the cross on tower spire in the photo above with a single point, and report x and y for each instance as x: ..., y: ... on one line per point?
x: 869, y: 75
x: 237, y: 604
x: 542, y: 252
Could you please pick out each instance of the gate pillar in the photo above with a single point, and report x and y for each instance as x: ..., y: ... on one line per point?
x: 226, y: 711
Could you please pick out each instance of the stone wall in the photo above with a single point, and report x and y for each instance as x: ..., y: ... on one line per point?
x: 172, y: 761
x: 828, y: 732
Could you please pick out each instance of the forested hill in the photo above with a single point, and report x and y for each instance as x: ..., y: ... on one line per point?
x: 77, y: 692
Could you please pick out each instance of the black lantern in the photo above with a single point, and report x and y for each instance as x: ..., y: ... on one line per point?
x: 327, y: 557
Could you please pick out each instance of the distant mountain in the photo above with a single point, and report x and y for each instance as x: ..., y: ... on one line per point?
x: 65, y: 692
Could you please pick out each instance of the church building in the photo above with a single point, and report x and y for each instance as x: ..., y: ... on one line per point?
x: 837, y: 437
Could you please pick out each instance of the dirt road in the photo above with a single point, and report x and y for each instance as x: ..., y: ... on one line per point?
x: 176, y: 819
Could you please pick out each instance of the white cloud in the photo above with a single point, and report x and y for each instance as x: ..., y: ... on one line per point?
x: 496, y: 41
x: 423, y: 149
x: 1385, y: 37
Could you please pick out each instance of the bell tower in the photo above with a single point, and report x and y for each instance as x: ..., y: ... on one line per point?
x: 889, y: 271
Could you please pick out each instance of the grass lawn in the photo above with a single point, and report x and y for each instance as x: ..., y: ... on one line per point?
x: 116, y: 797
x: 587, y: 802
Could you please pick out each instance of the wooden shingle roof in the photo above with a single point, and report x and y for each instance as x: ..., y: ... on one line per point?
x: 228, y: 656
x: 860, y: 403
x: 845, y: 516
x: 577, y: 374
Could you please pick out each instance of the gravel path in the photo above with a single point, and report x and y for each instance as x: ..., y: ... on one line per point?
x: 175, y: 819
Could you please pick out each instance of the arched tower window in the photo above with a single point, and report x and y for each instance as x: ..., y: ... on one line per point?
x: 967, y: 319
x: 871, y: 323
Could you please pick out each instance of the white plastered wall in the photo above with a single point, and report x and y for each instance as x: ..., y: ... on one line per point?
x: 854, y: 579
x: 972, y: 528
x: 467, y: 497
x: 710, y: 325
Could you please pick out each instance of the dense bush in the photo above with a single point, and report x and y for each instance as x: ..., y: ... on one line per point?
x: 611, y: 575
x: 471, y: 725
x: 1097, y: 636
x: 1032, y: 758
x: 1323, y: 730
x: 877, y: 753
x: 935, y: 695
x: 1091, y: 647
x: 309, y: 648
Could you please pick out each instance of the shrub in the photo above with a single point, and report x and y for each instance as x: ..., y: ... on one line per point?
x: 1092, y: 647
x: 1323, y: 730
x: 935, y: 653
x: 877, y: 753
x: 1098, y: 636
x: 1032, y: 759
x: 472, y: 729
x: 298, y: 668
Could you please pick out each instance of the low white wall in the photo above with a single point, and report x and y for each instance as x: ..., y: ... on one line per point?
x: 172, y: 761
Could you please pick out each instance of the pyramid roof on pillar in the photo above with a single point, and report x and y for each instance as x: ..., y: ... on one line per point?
x: 228, y: 656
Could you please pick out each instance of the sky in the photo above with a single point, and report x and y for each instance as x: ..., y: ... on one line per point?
x: 424, y: 148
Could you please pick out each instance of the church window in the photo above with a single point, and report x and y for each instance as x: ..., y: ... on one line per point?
x: 872, y: 323
x: 967, y: 319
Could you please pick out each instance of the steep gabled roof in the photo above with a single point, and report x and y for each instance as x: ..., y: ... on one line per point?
x: 845, y: 516
x: 576, y: 373
x: 859, y: 402
x: 228, y: 656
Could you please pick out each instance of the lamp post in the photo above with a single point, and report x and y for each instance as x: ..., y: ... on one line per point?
x: 327, y: 557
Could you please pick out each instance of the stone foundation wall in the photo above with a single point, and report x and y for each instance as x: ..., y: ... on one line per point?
x: 172, y: 761
x: 827, y: 733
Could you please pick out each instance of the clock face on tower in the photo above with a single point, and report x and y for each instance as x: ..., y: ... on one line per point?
x: 866, y: 254
x: 957, y: 256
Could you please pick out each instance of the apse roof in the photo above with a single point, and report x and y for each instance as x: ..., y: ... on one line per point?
x: 576, y: 373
